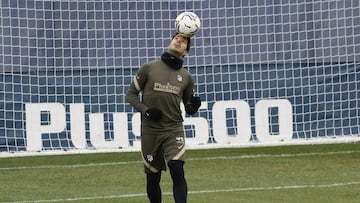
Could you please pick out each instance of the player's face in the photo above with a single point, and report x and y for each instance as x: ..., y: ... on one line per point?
x: 178, y: 44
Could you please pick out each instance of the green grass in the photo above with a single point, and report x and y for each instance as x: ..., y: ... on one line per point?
x: 305, y: 173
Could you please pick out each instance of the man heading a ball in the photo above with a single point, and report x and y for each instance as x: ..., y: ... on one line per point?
x: 164, y: 84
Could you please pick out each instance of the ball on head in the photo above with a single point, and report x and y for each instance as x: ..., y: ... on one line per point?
x: 187, y: 24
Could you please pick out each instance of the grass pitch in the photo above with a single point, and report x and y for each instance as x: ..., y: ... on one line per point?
x: 305, y: 173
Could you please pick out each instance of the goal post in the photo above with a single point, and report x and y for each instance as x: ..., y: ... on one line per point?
x: 267, y: 72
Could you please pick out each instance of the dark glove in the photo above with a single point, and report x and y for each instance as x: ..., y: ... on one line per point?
x: 195, y: 102
x: 153, y: 113
x: 193, y: 107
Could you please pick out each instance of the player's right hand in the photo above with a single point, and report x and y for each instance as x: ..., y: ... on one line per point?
x: 153, y: 113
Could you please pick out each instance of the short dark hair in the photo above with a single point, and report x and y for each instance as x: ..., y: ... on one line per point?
x: 188, y: 44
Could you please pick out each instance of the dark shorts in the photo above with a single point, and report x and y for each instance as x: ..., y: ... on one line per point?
x: 158, y: 148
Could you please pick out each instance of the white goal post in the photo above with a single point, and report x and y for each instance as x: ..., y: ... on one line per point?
x: 268, y: 72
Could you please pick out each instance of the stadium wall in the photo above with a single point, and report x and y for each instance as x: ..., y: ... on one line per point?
x: 267, y: 72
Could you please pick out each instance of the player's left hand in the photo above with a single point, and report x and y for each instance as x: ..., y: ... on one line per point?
x: 195, y: 102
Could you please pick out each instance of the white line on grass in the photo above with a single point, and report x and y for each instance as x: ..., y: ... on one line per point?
x: 193, y: 192
x: 189, y: 159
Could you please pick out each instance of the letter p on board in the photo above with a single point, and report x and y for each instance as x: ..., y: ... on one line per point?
x: 34, y: 127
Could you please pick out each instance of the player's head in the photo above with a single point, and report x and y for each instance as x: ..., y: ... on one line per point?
x: 180, y: 44
x: 188, y: 41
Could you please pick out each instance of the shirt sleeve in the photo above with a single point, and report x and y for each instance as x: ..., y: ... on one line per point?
x: 187, y: 94
x: 137, y: 85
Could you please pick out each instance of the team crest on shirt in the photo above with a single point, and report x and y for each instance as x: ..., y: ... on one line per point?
x: 179, y: 77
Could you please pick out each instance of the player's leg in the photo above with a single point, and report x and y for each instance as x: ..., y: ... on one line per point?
x: 176, y: 168
x: 153, y: 187
x: 174, y: 151
x: 153, y: 159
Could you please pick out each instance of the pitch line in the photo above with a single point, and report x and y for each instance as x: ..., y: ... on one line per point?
x: 193, y: 192
x: 276, y: 188
x: 189, y: 159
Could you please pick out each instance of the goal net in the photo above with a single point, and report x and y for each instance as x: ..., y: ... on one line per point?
x: 268, y: 72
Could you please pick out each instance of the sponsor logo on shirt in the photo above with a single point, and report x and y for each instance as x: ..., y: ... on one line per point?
x: 167, y: 88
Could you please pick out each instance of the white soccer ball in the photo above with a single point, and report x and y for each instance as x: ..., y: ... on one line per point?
x: 187, y: 24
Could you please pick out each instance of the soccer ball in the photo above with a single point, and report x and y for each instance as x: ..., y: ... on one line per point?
x: 187, y: 24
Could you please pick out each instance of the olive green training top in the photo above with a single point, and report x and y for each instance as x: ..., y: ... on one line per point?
x: 162, y: 87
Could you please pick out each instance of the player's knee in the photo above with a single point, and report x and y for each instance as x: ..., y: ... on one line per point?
x: 176, y: 168
x: 176, y: 165
x: 153, y: 178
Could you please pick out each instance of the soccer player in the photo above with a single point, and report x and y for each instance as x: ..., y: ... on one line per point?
x: 163, y: 85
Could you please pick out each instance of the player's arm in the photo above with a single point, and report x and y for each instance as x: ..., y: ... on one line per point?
x: 192, y: 103
x: 136, y: 86
x: 132, y: 96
